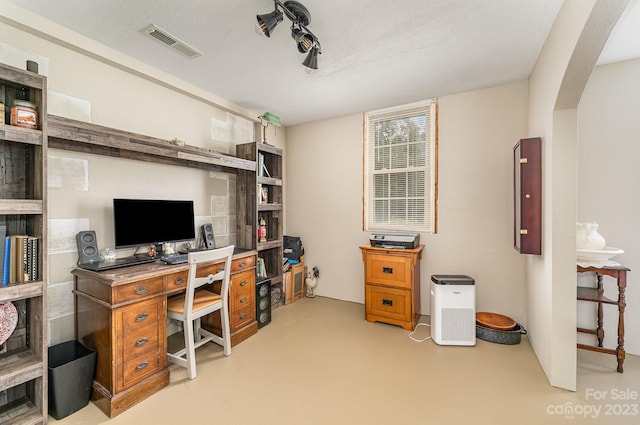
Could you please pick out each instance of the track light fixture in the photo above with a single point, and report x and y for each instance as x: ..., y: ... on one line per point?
x: 300, y: 17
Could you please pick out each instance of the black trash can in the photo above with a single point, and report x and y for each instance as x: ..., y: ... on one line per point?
x: 71, y: 369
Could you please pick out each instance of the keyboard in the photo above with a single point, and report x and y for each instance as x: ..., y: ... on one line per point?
x: 117, y: 263
x: 175, y: 259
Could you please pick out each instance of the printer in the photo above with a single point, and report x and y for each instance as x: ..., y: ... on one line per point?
x: 400, y: 240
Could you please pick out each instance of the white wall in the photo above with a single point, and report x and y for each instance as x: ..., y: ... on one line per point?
x: 556, y: 85
x: 477, y: 131
x: 608, y: 172
x: 82, y: 186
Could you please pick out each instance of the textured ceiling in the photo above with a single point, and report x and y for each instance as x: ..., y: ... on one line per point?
x: 374, y: 53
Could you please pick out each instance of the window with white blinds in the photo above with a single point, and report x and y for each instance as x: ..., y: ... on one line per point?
x: 400, y: 168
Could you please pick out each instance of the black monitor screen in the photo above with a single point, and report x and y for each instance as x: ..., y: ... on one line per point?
x: 145, y: 221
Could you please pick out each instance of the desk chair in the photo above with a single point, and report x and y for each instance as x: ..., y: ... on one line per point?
x: 189, y: 307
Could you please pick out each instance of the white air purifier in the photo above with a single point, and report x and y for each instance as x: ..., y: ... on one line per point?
x: 453, y: 310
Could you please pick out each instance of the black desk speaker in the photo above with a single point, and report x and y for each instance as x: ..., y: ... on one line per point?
x: 263, y: 302
x: 207, y: 236
x: 87, y: 247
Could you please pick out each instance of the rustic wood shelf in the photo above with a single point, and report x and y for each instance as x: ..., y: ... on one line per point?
x: 19, y: 368
x: 23, y: 200
x: 269, y: 207
x: 251, y: 212
x: 20, y: 206
x: 12, y: 133
x: 21, y: 412
x: 79, y: 136
x: 270, y: 181
x: 19, y: 291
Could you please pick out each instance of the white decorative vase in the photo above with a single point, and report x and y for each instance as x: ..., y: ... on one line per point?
x: 587, y: 237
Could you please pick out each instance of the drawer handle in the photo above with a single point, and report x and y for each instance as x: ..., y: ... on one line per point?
x: 388, y: 303
x: 142, y: 365
x: 244, y: 263
x: 142, y: 341
x: 142, y: 290
x: 388, y: 270
x: 243, y: 282
x: 243, y: 316
x: 178, y: 281
x: 243, y: 299
x: 141, y: 317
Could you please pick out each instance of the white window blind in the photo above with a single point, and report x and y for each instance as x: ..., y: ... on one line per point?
x: 400, y: 168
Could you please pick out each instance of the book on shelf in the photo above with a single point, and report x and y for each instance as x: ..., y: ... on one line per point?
x: 261, y: 164
x: 21, y: 259
x: 261, y: 270
x: 262, y: 167
x: 3, y: 235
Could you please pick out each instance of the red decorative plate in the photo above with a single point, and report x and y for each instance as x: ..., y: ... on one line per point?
x: 8, y: 320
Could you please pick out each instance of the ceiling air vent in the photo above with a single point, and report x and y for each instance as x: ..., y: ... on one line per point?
x: 170, y: 41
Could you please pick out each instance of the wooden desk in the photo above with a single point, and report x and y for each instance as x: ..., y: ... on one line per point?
x: 597, y: 295
x: 121, y: 313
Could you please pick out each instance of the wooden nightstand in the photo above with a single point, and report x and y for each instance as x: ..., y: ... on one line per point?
x: 392, y: 285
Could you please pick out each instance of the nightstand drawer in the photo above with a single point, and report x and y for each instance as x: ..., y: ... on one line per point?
x: 389, y: 270
x: 386, y: 302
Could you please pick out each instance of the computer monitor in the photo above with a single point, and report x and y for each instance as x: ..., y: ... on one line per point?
x: 139, y: 222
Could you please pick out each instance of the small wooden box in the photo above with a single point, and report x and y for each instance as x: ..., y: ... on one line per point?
x: 288, y: 287
x: 294, y: 283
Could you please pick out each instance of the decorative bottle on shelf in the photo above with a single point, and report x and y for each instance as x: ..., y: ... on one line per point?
x: 262, y: 230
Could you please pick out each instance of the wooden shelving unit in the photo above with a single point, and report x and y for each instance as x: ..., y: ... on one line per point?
x: 23, y: 357
x: 79, y: 136
x: 253, y: 206
x: 596, y: 295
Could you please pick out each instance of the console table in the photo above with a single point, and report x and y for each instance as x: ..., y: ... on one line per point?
x: 121, y: 313
x: 596, y: 295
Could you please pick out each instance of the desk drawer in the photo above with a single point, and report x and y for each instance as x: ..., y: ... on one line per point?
x: 137, y: 369
x: 243, y: 263
x: 237, y: 265
x: 139, y: 315
x: 176, y: 281
x: 242, y: 317
x: 242, y: 291
x: 140, y: 341
x: 389, y: 270
x: 388, y: 302
x: 138, y: 290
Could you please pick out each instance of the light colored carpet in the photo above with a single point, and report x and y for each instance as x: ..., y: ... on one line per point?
x: 320, y: 363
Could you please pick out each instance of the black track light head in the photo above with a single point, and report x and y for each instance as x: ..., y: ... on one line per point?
x: 268, y: 22
x: 311, y: 61
x: 306, y: 41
